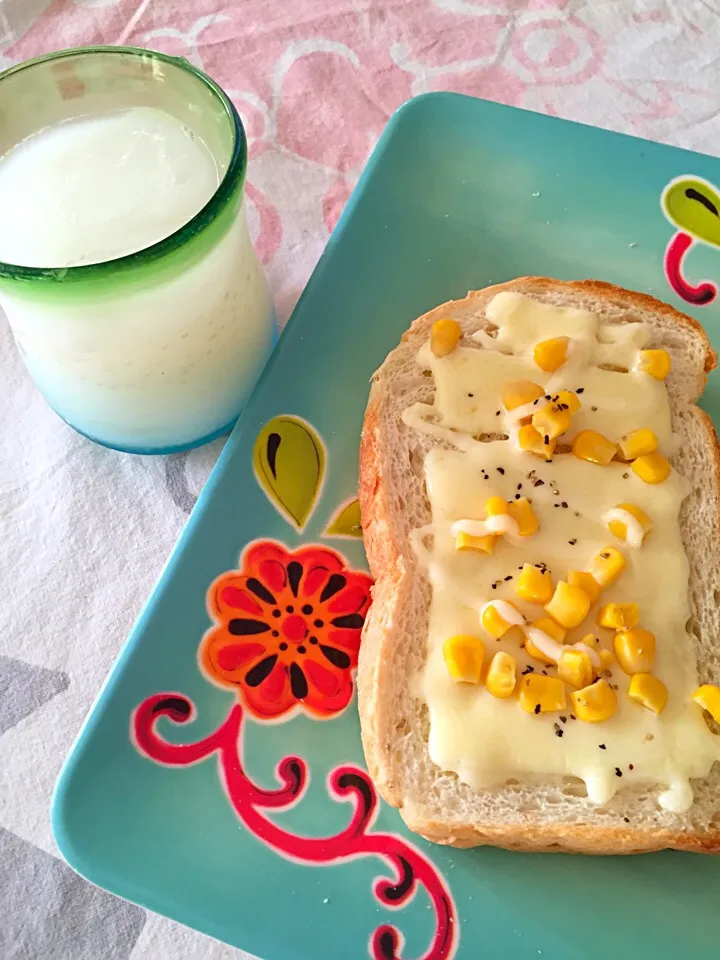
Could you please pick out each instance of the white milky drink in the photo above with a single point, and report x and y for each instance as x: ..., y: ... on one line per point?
x: 134, y: 293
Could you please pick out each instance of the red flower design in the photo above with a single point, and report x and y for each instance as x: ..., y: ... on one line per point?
x: 288, y: 629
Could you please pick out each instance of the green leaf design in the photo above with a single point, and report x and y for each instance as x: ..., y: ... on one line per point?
x: 289, y: 463
x: 693, y: 205
x: 346, y: 522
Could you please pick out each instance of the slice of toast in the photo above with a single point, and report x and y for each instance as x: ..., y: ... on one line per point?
x: 534, y: 814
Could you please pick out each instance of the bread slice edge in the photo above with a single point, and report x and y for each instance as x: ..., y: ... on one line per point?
x: 386, y: 722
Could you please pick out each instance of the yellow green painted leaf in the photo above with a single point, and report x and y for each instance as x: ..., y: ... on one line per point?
x: 346, y: 522
x: 692, y: 205
x: 289, y: 463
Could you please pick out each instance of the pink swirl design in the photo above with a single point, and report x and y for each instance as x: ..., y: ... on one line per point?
x: 345, y: 783
x: 700, y: 295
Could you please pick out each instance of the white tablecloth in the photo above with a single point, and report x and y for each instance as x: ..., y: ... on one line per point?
x: 85, y: 531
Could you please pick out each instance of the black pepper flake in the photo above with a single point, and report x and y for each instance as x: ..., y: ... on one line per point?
x: 602, y: 746
x: 494, y: 586
x: 548, y: 397
x: 594, y: 409
x: 626, y: 819
x: 501, y: 470
x: 537, y: 708
x: 563, y: 719
x: 564, y: 504
x: 572, y: 542
x: 559, y: 732
x: 497, y: 413
x: 572, y: 716
x: 539, y: 483
x: 544, y: 673
x: 536, y: 401
x: 517, y: 496
x: 631, y: 766
x: 508, y: 577
x: 618, y: 772
x: 528, y: 669
x: 556, y: 504
x: 580, y: 390
x: 519, y: 486
x: 625, y: 476
x: 546, y: 440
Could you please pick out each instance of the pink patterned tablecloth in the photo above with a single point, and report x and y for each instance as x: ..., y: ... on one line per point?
x: 315, y: 82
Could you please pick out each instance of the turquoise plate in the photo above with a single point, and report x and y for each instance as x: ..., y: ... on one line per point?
x: 220, y: 778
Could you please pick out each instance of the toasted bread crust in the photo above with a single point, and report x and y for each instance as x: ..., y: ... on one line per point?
x: 633, y: 298
x: 388, y: 568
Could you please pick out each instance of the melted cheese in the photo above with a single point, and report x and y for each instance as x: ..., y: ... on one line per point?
x: 485, y: 740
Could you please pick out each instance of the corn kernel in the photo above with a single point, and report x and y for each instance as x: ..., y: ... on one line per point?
x: 708, y: 696
x: 619, y: 528
x: 648, y: 691
x: 519, y: 392
x: 493, y: 620
x: 652, y: 468
x: 486, y: 544
x: 635, y: 650
x: 593, y: 447
x: 575, y: 668
x: 515, y: 634
x: 464, y: 656
x: 637, y: 443
x: 495, y: 507
x: 540, y: 694
x: 534, y: 584
x: 551, y: 354
x: 619, y: 616
x: 551, y: 421
x: 502, y: 675
x: 586, y: 581
x: 551, y: 628
x: 524, y: 516
x: 654, y: 362
x: 536, y: 653
x: 569, y: 605
x: 543, y: 640
x: 594, y: 703
x: 598, y: 657
x: 532, y: 441
x: 606, y: 659
x: 568, y: 399
x: 444, y: 337
x: 607, y: 565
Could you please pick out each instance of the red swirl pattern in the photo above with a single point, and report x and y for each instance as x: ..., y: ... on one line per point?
x: 410, y: 869
x: 701, y: 294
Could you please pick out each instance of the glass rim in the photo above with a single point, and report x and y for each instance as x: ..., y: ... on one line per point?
x: 234, y: 175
